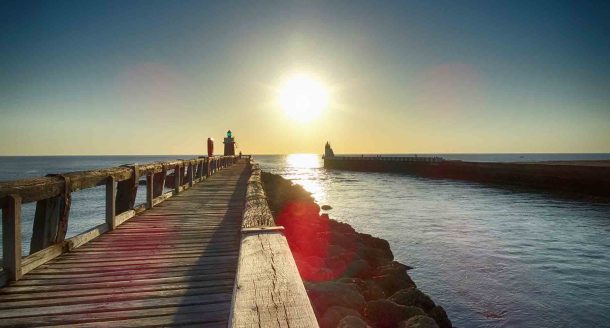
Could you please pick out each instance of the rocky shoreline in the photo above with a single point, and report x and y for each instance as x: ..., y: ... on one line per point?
x: 351, y: 278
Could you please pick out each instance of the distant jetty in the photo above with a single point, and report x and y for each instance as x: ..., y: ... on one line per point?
x: 582, y: 178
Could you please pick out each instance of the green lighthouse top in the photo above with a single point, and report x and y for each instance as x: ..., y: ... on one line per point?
x: 229, y: 134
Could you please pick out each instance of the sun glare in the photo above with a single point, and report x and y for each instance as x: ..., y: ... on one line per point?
x: 303, y: 98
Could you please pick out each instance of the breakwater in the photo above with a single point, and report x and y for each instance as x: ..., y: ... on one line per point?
x: 584, y: 178
x: 351, y: 278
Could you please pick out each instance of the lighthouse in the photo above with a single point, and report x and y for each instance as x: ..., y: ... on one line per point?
x: 328, y: 151
x: 229, y: 144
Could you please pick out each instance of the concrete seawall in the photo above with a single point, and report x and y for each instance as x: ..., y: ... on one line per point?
x: 584, y: 178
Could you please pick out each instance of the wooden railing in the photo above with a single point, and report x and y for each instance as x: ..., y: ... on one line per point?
x: 52, y: 195
x: 268, y: 289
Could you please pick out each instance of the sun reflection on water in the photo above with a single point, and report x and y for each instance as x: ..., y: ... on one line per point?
x: 303, y: 161
x: 305, y: 169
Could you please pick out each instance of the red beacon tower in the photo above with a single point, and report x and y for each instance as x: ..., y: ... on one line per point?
x: 229, y: 144
x: 210, y: 147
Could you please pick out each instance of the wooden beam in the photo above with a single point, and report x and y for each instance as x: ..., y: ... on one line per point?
x: 177, y: 179
x: 11, y: 236
x: 111, y: 203
x: 39, y: 258
x: 268, y: 289
x: 87, y: 236
x: 163, y: 197
x: 149, y: 190
x: 190, y: 174
x: 64, y: 210
x: 124, y: 217
x: 257, y: 212
x: 200, y: 164
x: 46, y: 222
x: 159, y: 182
x: 127, y: 191
x: 3, y: 278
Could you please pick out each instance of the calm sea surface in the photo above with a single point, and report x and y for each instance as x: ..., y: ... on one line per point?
x: 492, y: 257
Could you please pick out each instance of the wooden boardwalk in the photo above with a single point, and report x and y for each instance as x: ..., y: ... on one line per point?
x: 174, y: 264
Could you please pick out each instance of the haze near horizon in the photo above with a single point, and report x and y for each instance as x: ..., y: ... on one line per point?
x: 153, y: 77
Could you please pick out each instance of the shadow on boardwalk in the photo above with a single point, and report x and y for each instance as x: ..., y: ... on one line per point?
x: 220, y: 255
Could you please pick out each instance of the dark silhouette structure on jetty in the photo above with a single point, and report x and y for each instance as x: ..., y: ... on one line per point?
x: 582, y: 178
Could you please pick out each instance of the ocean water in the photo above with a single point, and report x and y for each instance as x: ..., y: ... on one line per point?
x: 492, y: 257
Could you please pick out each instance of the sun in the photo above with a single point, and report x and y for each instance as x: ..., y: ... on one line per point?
x: 303, y: 98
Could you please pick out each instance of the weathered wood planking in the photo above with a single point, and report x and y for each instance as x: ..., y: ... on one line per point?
x: 174, y: 264
x: 257, y: 213
x: 269, y: 291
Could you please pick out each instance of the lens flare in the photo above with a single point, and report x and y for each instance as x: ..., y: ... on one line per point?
x: 303, y: 98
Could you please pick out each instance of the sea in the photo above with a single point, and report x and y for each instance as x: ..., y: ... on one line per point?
x: 491, y: 256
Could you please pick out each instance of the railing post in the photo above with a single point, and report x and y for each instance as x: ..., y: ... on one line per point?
x: 44, y: 227
x: 11, y: 236
x: 159, y: 182
x: 127, y: 190
x: 110, y: 203
x: 183, y: 171
x: 149, y: 190
x: 200, y: 168
x: 207, y: 167
x: 190, y: 174
x: 51, y: 218
x: 177, y: 179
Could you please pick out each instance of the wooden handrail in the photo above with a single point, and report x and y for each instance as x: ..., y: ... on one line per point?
x: 268, y: 289
x: 35, y: 189
x: 52, y: 194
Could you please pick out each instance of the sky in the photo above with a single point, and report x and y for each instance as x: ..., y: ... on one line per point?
x: 160, y: 77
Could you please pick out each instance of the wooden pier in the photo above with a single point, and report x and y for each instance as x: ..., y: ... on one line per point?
x: 182, y: 258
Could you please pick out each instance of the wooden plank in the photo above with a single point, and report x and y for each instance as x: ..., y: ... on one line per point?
x: 11, y: 237
x: 159, y: 182
x: 126, y: 191
x: 33, y: 261
x: 210, y: 260
x: 142, y: 303
x: 67, y: 296
x: 46, y: 187
x: 3, y: 277
x: 46, y: 223
x: 268, y: 288
x: 64, y: 210
x: 120, y: 295
x: 119, y: 219
x: 149, y: 190
x: 87, y: 236
x: 177, y: 177
x: 111, y: 203
x: 190, y: 175
x: 191, y: 315
x: 158, y: 200
x: 189, y: 274
x: 93, y: 287
x: 257, y: 213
